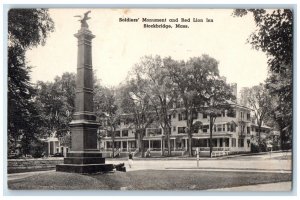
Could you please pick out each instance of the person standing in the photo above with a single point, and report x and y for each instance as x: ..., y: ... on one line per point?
x: 130, y: 159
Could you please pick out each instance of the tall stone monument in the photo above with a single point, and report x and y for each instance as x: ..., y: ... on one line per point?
x: 84, y: 156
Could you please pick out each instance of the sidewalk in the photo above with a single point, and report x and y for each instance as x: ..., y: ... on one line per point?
x: 269, y: 187
x: 22, y: 175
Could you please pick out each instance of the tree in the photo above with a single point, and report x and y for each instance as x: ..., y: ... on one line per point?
x: 191, y: 81
x: 26, y: 28
x: 258, y: 99
x: 219, y: 97
x: 55, y: 102
x: 107, y: 111
x: 158, y: 89
x: 274, y: 36
x: 135, y: 103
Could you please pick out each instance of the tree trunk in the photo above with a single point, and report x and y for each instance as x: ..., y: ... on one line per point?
x: 190, y: 146
x: 139, y: 145
x: 210, y: 143
x: 162, y: 146
x: 189, y: 131
x: 210, y: 136
x: 141, y: 133
x: 259, y: 140
x: 169, y: 146
x: 168, y: 134
x: 281, y: 140
x: 15, y: 143
x: 113, y: 147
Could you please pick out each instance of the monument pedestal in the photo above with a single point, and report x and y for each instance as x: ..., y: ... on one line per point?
x: 84, y: 157
x: 84, y: 163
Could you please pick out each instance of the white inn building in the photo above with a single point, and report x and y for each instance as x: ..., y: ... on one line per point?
x: 231, y: 134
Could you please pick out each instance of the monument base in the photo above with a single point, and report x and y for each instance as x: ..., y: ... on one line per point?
x: 84, y: 163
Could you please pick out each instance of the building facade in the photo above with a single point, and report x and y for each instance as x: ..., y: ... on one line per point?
x: 231, y: 134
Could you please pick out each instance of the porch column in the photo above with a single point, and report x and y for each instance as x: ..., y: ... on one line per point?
x: 186, y: 146
x: 54, y: 148
x: 161, y: 146
x: 127, y: 146
x: 230, y: 144
x: 223, y: 144
x: 121, y: 145
x: 174, y: 144
x: 49, y: 148
x: 149, y: 144
x: 207, y: 143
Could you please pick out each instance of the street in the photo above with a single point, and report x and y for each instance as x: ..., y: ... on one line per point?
x: 265, y: 162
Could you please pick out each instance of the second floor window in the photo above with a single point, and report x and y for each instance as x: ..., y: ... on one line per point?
x: 231, y: 113
x: 241, y: 143
x: 223, y: 113
x: 182, y: 116
x: 248, y: 116
x: 117, y: 134
x: 181, y: 130
x: 232, y: 128
x: 205, y: 128
x: 195, y: 115
x: 219, y: 127
x: 154, y: 131
x: 242, y: 115
x: 124, y: 133
x: 233, y: 142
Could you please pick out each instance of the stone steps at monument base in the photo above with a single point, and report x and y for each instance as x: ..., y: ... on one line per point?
x: 84, y: 160
x: 84, y: 168
x: 85, y: 154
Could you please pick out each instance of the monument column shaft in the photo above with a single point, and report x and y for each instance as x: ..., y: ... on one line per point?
x: 84, y: 126
x: 84, y: 81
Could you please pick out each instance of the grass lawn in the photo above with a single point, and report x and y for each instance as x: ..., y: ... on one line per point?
x: 144, y: 180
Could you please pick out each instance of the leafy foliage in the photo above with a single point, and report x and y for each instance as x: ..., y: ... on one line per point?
x: 135, y: 102
x: 158, y: 89
x: 220, y: 99
x: 274, y: 35
x: 26, y: 28
x: 107, y: 111
x: 56, y: 104
x: 199, y: 87
x: 258, y: 99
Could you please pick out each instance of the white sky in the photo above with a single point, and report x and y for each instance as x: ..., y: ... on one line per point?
x: 118, y: 46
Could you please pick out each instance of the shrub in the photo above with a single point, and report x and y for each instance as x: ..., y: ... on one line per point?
x: 38, y: 149
x: 254, y: 148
